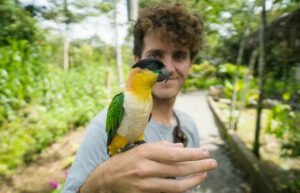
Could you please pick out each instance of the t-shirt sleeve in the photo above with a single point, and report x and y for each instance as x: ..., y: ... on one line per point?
x: 91, y: 153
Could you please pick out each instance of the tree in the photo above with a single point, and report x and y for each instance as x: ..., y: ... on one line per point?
x: 118, y: 47
x: 66, y: 12
x: 261, y: 77
x: 16, y: 23
x: 233, y: 121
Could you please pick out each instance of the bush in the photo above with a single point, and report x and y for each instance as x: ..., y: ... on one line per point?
x: 40, y: 103
x: 285, y: 125
x: 202, y: 76
x: 227, y: 71
x: 283, y: 88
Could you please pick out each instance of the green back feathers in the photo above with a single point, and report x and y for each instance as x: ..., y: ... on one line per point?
x: 114, y: 116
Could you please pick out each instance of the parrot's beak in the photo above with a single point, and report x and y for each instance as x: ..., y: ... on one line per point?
x: 163, y: 75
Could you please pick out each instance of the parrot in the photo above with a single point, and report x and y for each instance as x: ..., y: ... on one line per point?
x: 130, y: 111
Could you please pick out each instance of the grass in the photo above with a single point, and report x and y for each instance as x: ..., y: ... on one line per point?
x: 286, y: 170
x: 270, y: 146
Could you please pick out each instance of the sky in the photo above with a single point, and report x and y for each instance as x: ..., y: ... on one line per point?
x: 101, y: 26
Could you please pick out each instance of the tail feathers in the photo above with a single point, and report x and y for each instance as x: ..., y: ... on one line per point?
x: 121, y: 144
x: 117, y: 143
x: 132, y: 145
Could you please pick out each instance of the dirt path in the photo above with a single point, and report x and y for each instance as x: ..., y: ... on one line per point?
x: 227, y: 178
x: 52, y: 164
x: 50, y: 167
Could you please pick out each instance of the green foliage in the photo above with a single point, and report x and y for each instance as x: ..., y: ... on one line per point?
x: 21, y: 67
x: 105, y: 7
x: 228, y: 88
x: 294, y: 186
x: 285, y: 88
x: 59, y: 189
x: 228, y: 70
x: 16, y: 23
x: 40, y: 103
x: 205, y: 75
x: 226, y: 73
x: 67, y: 12
x: 202, y: 76
x: 285, y: 125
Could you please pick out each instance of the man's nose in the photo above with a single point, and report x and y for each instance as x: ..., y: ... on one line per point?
x: 169, y: 64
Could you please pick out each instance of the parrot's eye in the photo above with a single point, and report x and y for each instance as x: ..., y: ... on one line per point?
x: 152, y: 66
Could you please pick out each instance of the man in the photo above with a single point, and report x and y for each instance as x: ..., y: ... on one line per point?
x: 174, y: 36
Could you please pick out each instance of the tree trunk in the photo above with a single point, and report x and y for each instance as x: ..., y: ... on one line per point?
x: 245, y: 90
x: 66, y: 49
x: 232, y: 120
x: 108, y: 83
x: 132, y: 9
x: 66, y: 39
x: 261, y: 79
x: 118, y: 47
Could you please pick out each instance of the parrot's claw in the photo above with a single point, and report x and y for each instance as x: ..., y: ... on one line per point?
x: 140, y: 142
x: 127, y: 147
x: 131, y: 145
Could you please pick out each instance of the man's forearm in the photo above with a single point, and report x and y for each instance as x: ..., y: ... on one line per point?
x: 93, y: 184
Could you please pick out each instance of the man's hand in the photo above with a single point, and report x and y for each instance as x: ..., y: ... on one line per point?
x: 146, y: 168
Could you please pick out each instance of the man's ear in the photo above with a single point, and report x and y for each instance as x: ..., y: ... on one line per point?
x: 135, y: 58
x: 192, y: 62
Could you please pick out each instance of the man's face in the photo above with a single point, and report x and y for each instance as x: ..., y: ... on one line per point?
x: 177, y: 61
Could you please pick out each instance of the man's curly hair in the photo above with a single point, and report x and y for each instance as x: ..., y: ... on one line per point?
x: 174, y: 24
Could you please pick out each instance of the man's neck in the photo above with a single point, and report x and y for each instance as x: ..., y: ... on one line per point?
x: 163, y: 111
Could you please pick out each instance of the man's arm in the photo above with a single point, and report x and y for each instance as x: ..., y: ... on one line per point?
x: 146, y: 168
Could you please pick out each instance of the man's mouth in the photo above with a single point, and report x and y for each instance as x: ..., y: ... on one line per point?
x: 172, y: 78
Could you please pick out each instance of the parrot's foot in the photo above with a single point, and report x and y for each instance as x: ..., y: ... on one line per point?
x: 132, y: 145
x: 140, y: 142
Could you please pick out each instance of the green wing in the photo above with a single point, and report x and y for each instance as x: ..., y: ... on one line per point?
x: 114, y: 116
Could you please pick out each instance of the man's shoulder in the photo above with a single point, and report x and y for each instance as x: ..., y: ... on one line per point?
x: 96, y: 128
x: 186, y: 121
x: 101, y: 116
x: 183, y: 117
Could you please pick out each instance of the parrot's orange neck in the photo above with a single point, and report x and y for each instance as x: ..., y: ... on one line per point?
x: 140, y: 83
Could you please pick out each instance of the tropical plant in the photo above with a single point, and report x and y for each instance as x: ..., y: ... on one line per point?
x: 284, y: 123
x: 40, y: 103
x: 202, y: 76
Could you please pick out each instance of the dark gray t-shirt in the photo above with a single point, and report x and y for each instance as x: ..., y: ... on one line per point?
x: 93, y: 152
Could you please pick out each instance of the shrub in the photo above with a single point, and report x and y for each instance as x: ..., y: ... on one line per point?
x: 40, y: 103
x: 202, y: 76
x: 285, y: 125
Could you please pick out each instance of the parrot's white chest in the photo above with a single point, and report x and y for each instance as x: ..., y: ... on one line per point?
x: 136, y: 116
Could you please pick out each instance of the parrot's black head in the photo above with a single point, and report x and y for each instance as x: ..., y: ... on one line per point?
x: 155, y: 66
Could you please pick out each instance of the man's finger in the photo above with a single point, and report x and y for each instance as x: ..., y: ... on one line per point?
x: 184, y: 184
x: 167, y: 143
x: 173, y: 185
x: 178, y: 169
x: 175, y: 154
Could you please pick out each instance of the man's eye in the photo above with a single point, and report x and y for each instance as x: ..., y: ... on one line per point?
x: 179, y: 57
x: 157, y: 56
